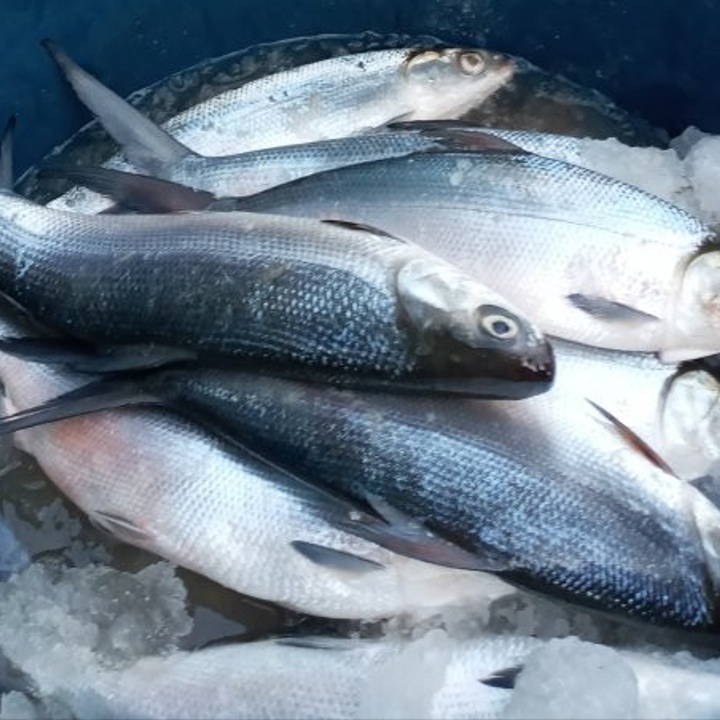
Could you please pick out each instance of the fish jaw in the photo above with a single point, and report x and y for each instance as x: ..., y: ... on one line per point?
x: 446, y: 84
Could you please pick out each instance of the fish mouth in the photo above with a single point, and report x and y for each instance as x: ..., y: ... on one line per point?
x: 501, y: 374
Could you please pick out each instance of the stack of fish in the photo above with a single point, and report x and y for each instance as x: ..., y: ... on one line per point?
x: 329, y: 384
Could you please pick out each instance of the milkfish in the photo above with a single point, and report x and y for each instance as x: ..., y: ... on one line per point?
x: 164, y: 484
x: 154, y: 151
x: 590, y: 259
x: 483, y: 676
x: 323, y: 100
x: 313, y: 677
x: 558, y: 492
x: 336, y: 304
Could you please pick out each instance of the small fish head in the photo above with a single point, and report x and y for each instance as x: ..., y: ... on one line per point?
x: 693, y: 329
x: 452, y: 81
x: 689, y: 422
x: 470, y: 336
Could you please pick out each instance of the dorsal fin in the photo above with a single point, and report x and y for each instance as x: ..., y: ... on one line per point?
x: 632, y: 439
x: 458, y: 135
x: 148, y: 147
x: 362, y: 227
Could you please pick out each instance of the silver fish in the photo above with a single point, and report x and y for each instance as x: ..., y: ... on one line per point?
x: 552, y: 488
x: 163, y: 484
x: 479, y: 677
x: 327, y: 99
x: 155, y: 152
x: 334, y: 303
x: 313, y: 678
x: 677, y: 412
x: 568, y: 246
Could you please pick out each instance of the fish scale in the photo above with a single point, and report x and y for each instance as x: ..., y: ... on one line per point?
x: 287, y: 295
x: 509, y: 216
x: 329, y: 99
x: 568, y: 510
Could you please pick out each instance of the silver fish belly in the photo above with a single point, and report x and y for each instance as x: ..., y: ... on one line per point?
x: 545, y: 487
x: 163, y: 484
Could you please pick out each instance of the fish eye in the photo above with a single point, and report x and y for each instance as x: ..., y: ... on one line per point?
x: 471, y: 63
x: 499, y: 326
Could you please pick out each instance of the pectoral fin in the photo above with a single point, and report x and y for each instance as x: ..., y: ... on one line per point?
x: 457, y: 135
x: 336, y: 559
x: 632, y: 439
x: 362, y: 227
x: 121, y: 528
x: 407, y: 536
x: 504, y: 678
x: 86, y: 400
x: 609, y: 310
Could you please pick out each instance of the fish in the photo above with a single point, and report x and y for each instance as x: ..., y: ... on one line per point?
x: 329, y: 677
x: 323, y: 100
x: 153, y: 151
x: 474, y: 677
x: 568, y: 246
x: 337, y: 303
x: 565, y: 498
x: 689, y: 421
x: 164, y: 484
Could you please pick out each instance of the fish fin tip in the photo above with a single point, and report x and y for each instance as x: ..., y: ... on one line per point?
x: 145, y: 144
x: 632, y: 439
x: 120, y: 527
x: 609, y: 310
x: 361, y: 227
x: 503, y: 679
x: 333, y: 559
x: 138, y: 192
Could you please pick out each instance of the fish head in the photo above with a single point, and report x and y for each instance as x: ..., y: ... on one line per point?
x: 445, y: 84
x: 469, y: 337
x: 689, y: 422
x: 693, y: 330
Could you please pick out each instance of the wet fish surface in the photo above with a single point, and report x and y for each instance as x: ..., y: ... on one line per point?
x: 271, y: 292
x: 506, y: 216
x: 546, y: 488
x: 328, y: 99
x: 330, y: 678
x: 164, y: 484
